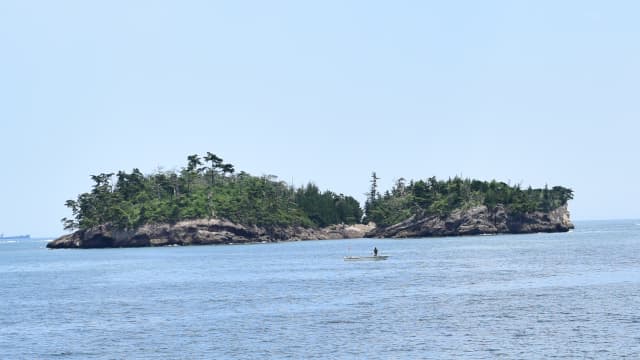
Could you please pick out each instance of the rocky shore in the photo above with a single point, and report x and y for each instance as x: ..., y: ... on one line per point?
x: 475, y: 221
x: 200, y: 232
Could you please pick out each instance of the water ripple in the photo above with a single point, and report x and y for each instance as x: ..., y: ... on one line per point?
x: 518, y: 297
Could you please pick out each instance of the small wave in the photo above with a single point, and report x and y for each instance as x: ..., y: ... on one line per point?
x: 66, y: 353
x: 62, y: 354
x: 340, y: 321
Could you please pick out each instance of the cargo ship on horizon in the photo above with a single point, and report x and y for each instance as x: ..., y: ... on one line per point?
x: 15, y: 237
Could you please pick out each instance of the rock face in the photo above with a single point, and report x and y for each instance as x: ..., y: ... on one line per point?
x: 199, y: 232
x: 473, y: 221
x: 477, y: 220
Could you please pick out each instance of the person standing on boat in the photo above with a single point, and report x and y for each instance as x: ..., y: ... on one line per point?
x: 375, y: 251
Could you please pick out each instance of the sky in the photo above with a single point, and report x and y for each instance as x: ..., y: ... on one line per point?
x: 529, y: 92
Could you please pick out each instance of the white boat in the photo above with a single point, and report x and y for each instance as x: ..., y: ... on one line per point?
x: 366, y: 258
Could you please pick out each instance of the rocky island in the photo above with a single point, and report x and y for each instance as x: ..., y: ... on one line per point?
x: 210, y: 204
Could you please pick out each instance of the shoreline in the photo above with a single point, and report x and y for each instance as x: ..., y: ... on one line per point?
x: 201, y: 232
x: 478, y: 221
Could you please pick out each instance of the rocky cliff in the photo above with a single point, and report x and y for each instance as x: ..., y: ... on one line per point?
x: 473, y: 221
x: 199, y: 232
x: 477, y: 220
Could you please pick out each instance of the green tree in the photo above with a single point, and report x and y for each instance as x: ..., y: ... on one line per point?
x: 192, y: 170
x: 216, y: 163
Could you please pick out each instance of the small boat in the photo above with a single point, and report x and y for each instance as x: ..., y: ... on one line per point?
x: 366, y: 258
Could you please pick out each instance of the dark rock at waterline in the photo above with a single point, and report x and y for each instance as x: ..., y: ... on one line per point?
x: 199, y: 232
x: 473, y: 221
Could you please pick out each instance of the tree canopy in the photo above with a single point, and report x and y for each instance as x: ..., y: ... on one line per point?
x: 438, y: 197
x: 206, y: 188
x: 209, y: 188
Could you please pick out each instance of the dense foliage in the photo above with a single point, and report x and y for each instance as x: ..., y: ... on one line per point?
x: 206, y: 188
x: 437, y: 197
x: 209, y: 188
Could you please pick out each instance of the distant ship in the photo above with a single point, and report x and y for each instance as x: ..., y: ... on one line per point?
x: 15, y: 237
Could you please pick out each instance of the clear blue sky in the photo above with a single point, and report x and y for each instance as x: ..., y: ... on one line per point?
x: 531, y: 92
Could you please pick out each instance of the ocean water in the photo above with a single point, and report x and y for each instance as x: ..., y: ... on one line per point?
x: 569, y: 295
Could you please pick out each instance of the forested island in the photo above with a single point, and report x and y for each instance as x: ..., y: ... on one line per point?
x: 208, y: 202
x: 465, y: 207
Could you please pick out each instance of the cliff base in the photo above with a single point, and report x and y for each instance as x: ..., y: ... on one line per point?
x: 475, y: 221
x: 199, y: 232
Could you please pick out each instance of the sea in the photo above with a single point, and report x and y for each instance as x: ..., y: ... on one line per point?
x: 569, y: 295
